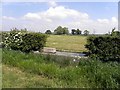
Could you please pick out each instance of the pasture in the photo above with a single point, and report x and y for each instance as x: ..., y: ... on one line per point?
x: 67, y: 43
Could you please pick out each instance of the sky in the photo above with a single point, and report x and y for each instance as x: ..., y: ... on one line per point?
x: 97, y: 17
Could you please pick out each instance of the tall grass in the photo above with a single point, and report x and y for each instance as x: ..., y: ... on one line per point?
x: 83, y: 73
x: 15, y: 78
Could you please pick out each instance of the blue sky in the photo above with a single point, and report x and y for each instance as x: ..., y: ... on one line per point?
x: 97, y: 11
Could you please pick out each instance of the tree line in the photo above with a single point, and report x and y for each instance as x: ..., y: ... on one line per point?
x: 64, y: 30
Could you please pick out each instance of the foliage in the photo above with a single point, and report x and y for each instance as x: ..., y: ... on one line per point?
x: 23, y: 40
x: 115, y: 33
x: 59, y: 30
x: 33, y: 42
x: 76, y: 32
x: 73, y: 31
x: 88, y: 73
x: 48, y: 32
x: 104, y: 47
x: 12, y: 39
x: 86, y: 32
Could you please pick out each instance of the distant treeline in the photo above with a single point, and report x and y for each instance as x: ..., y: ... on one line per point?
x: 64, y: 30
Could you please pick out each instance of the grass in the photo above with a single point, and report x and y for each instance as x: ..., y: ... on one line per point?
x: 13, y: 77
x: 87, y: 74
x: 67, y: 43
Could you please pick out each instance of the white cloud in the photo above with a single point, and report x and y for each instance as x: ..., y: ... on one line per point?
x: 60, y: 15
x: 8, y: 18
x: 114, y: 19
x: 57, y: 13
x: 52, y: 3
x: 107, y: 21
x: 103, y: 20
x: 32, y: 16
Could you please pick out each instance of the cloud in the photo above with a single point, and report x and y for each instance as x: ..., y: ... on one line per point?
x: 57, y: 15
x: 52, y: 3
x: 8, y: 18
x: 32, y: 16
x: 103, y: 20
x: 114, y: 19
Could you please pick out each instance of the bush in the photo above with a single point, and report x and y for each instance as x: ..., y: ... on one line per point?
x: 106, y: 48
x: 24, y: 41
x: 33, y: 42
x: 12, y: 39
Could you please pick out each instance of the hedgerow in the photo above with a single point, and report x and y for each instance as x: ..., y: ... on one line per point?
x: 106, y: 48
x: 23, y: 40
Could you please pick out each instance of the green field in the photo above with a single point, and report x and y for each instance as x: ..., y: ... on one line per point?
x: 67, y: 43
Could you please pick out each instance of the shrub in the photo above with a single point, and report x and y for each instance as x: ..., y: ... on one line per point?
x: 24, y: 41
x: 33, y: 42
x: 104, y: 47
x: 12, y: 39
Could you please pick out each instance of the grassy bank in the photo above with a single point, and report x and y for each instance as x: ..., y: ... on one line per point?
x: 14, y: 77
x: 88, y: 73
x: 67, y: 42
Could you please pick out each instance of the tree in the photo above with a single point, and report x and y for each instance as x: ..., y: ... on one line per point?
x: 86, y: 32
x: 59, y: 30
x: 115, y: 33
x: 113, y: 29
x: 48, y: 32
x: 73, y: 31
x: 65, y: 30
x: 78, y: 32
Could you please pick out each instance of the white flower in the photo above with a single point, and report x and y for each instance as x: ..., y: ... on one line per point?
x: 74, y: 60
x: 19, y: 33
x: 79, y: 57
x: 16, y: 35
x: 6, y: 38
x: 75, y: 56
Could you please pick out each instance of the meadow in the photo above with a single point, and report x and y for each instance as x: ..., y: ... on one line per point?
x: 71, y: 43
x: 36, y: 70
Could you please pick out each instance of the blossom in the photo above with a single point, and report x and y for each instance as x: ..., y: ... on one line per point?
x: 74, y: 60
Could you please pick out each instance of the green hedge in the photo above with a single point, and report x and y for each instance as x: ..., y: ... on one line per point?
x: 33, y: 41
x: 24, y: 41
x: 106, y: 48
